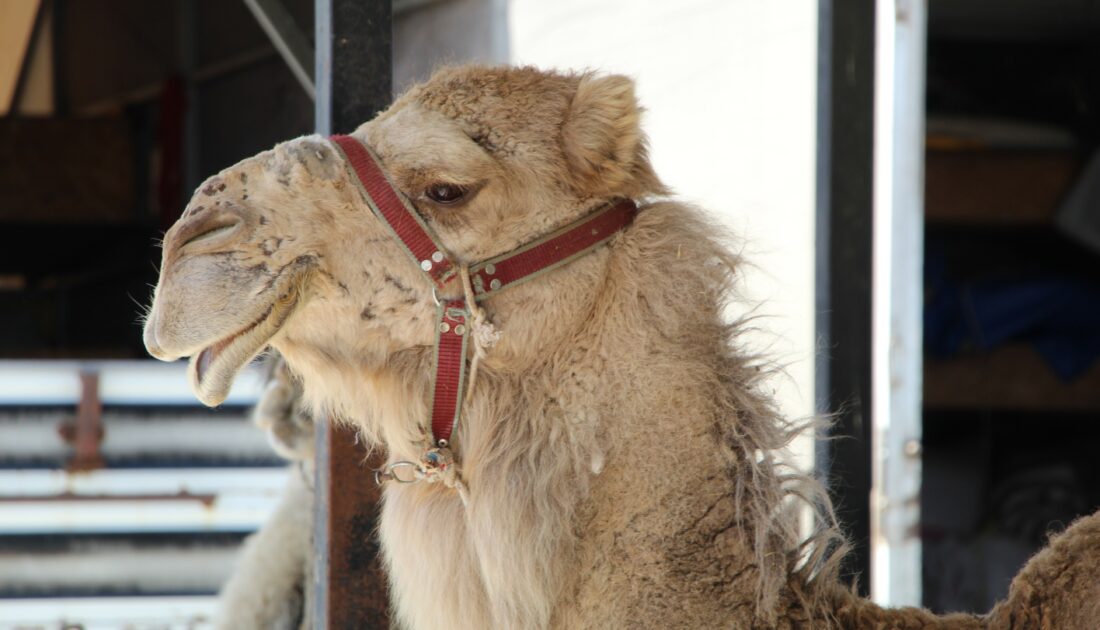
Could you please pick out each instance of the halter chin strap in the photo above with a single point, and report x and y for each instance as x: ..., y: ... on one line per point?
x: 485, y: 279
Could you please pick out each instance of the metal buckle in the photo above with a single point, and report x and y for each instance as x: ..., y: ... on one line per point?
x: 387, y: 473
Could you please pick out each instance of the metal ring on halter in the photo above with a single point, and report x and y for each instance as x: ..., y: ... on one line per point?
x: 435, y: 296
x: 386, y: 474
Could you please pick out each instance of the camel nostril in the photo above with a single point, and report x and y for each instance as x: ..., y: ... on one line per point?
x: 211, y: 233
x: 207, y: 229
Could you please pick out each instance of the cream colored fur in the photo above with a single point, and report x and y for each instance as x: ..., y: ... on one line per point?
x: 270, y: 585
x: 619, y: 452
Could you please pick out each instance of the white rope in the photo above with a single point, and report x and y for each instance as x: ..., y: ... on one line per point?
x: 482, y: 332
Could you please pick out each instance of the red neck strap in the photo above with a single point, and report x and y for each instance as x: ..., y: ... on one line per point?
x: 487, y: 278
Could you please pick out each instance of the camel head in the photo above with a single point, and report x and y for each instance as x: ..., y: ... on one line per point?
x: 281, y: 250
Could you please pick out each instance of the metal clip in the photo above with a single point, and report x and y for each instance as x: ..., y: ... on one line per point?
x: 387, y: 473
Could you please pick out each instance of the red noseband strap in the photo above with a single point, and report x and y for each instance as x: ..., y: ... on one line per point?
x: 389, y: 205
x: 487, y: 278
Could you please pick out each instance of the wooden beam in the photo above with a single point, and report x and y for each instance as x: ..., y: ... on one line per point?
x: 1000, y: 187
x: 18, y: 19
x: 1012, y: 377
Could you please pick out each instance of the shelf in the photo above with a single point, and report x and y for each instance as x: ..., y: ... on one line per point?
x: 997, y: 188
x: 1013, y: 377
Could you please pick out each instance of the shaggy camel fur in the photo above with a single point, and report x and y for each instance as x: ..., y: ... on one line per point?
x: 269, y: 586
x: 619, y: 453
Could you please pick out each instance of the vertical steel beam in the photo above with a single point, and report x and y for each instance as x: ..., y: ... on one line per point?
x: 354, y: 62
x: 844, y: 232
x: 897, y: 306
x: 60, y: 63
x: 353, y: 83
x: 187, y: 20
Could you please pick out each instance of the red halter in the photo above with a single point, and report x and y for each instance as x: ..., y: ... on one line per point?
x: 487, y: 278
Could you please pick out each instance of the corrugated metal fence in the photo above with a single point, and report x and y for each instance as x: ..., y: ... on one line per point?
x: 122, y: 502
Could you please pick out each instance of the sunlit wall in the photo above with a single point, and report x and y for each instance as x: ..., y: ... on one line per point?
x: 729, y: 89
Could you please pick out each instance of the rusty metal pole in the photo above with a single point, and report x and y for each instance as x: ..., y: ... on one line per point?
x: 349, y: 587
x: 353, y: 83
x: 85, y: 433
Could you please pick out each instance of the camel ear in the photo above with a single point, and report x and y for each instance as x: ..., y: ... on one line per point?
x: 602, y: 134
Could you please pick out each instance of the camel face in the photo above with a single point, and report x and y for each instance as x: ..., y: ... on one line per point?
x: 239, y: 262
x: 281, y: 249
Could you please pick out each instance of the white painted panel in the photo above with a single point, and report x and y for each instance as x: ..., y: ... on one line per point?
x: 120, y: 567
x: 34, y: 434
x: 110, y: 613
x: 54, y: 501
x: 29, y: 483
x: 149, y: 382
x: 233, y: 514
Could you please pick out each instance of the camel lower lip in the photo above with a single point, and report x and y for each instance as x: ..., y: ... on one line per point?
x: 208, y: 354
x: 203, y: 362
x: 214, y: 368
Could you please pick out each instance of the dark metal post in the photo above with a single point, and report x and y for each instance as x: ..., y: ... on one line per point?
x: 353, y: 83
x: 845, y: 153
x: 353, y: 63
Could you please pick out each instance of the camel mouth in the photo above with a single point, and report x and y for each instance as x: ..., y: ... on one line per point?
x: 213, y: 369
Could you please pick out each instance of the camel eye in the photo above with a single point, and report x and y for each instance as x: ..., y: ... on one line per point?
x: 445, y: 193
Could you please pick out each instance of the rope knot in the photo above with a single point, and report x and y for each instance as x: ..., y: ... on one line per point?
x: 438, y: 465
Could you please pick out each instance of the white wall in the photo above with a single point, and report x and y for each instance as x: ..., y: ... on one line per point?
x: 431, y: 34
x: 730, y: 88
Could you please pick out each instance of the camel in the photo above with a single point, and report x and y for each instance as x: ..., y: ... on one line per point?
x: 615, y: 463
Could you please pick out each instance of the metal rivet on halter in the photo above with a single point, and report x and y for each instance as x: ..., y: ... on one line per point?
x: 495, y: 284
x: 444, y: 327
x: 426, y: 265
x: 459, y: 330
x: 490, y: 269
x: 437, y: 257
x: 442, y: 443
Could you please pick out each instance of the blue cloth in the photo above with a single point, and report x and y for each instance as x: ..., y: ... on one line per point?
x: 1059, y: 316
